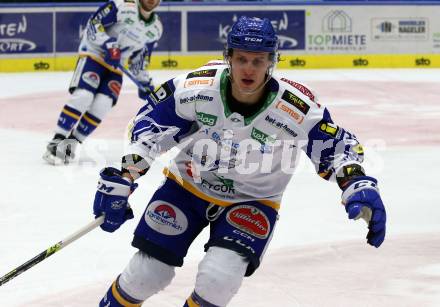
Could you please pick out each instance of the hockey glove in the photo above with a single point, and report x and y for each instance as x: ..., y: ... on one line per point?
x: 362, y: 200
x: 113, y: 53
x: 146, y: 85
x: 111, y: 199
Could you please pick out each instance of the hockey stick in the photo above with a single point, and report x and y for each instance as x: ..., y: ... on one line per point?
x: 132, y: 78
x: 51, y: 250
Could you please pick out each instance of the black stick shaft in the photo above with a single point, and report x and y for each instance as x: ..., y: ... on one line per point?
x: 30, y: 263
x: 50, y: 251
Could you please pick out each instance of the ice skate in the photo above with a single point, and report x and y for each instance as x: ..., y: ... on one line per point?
x: 61, y: 150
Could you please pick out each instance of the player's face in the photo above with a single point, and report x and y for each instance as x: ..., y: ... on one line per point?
x: 149, y: 5
x: 249, y: 69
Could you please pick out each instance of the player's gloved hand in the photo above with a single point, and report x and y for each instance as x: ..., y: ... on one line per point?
x: 146, y: 85
x: 362, y: 200
x: 113, y: 53
x: 146, y: 90
x: 111, y: 199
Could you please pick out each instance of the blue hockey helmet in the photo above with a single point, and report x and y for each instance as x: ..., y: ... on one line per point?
x: 253, y: 34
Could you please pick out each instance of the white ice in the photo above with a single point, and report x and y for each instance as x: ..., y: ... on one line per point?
x: 317, y: 256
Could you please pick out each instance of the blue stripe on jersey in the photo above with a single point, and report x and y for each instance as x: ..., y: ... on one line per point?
x: 106, y: 14
x: 329, y: 146
x: 162, y: 117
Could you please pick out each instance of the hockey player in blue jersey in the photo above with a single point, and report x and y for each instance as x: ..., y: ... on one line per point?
x: 120, y: 32
x: 236, y: 127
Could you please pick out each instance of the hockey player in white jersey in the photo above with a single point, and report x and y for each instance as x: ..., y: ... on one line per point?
x: 240, y: 131
x: 120, y: 32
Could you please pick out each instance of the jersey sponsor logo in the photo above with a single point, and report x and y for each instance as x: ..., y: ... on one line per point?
x: 162, y: 93
x: 280, y: 125
x: 295, y: 115
x: 225, y: 186
x: 329, y: 129
x: 195, y: 98
x: 196, y: 82
x: 206, y: 119
x: 202, y: 73
x: 249, y: 219
x: 129, y: 21
x: 115, y: 87
x: 261, y: 137
x: 295, y: 101
x: 166, y: 218
x: 91, y: 78
x: 301, y: 88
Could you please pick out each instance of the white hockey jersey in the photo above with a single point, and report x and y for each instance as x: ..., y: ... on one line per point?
x: 121, y: 19
x: 226, y: 158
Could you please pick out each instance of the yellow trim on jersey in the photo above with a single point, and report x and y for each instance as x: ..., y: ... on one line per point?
x: 270, y: 203
x: 190, y: 188
x: 101, y: 62
x: 91, y: 121
x: 191, y: 302
x: 120, y: 299
x: 73, y: 115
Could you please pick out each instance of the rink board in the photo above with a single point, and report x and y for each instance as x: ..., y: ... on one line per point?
x: 329, y: 35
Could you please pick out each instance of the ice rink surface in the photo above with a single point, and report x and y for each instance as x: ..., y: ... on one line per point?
x: 317, y: 257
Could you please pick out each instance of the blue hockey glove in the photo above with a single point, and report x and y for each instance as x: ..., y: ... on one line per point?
x: 146, y: 90
x: 113, y: 53
x: 111, y: 199
x: 146, y: 84
x: 362, y: 200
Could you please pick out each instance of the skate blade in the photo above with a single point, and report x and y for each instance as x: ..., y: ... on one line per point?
x: 53, y: 160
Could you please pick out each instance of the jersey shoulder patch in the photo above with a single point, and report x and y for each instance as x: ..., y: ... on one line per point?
x: 295, y: 101
x: 300, y: 87
x: 209, y: 73
x: 161, y: 94
x: 215, y: 63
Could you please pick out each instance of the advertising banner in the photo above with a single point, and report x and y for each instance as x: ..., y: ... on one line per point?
x: 311, y: 36
x: 368, y: 30
x: 207, y: 31
x: 171, y: 37
x: 70, y: 27
x: 24, y: 33
x: 69, y: 30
